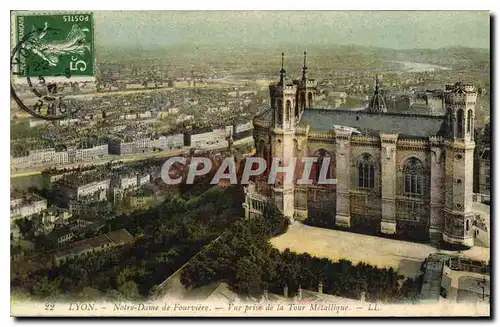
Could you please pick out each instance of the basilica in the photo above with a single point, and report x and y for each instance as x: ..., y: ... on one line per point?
x: 396, y: 173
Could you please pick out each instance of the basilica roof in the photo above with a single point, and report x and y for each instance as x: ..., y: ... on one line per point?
x: 421, y: 126
x: 265, y: 115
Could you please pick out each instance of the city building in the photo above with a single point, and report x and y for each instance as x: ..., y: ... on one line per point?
x: 143, y: 179
x: 170, y: 142
x: 20, y: 163
x: 128, y: 144
x: 90, y: 205
x: 99, y: 243
x: 81, y: 186
x: 207, y: 139
x: 337, y: 98
x: 145, y: 197
x: 123, y: 183
x: 432, y: 101
x: 395, y: 173
x: 242, y: 130
x: 24, y: 205
x: 39, y: 158
x: 51, y: 157
x: 87, y: 154
x: 63, y: 235
x: 50, y: 219
x: 67, y: 230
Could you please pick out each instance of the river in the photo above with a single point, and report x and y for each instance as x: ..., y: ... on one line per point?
x: 419, y: 67
x: 23, y: 182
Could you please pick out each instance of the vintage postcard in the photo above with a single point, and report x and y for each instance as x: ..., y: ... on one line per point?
x: 250, y: 163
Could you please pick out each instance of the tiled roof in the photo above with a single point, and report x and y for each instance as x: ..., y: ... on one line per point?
x: 112, y: 238
x: 323, y: 120
x: 265, y: 115
x: 120, y: 236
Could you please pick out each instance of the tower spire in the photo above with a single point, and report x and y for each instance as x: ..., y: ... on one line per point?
x: 304, y: 69
x: 377, y: 103
x: 282, y: 71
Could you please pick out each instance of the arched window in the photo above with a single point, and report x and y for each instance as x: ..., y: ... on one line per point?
x: 297, y: 106
x: 366, y: 171
x: 469, y: 120
x: 295, y: 147
x: 288, y: 110
x: 310, y: 99
x: 414, y: 177
x: 321, y: 154
x: 302, y: 102
x: 460, y: 123
x: 263, y: 153
x: 279, y: 109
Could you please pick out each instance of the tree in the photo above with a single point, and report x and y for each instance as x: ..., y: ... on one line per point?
x: 154, y: 291
x: 277, y: 222
x: 89, y: 293
x: 123, y: 276
x: 25, y: 226
x: 248, y: 280
x: 45, y: 287
x: 129, y: 290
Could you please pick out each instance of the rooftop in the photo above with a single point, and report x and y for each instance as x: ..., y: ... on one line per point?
x: 118, y: 237
x: 25, y: 198
x: 323, y: 120
x: 53, y: 210
x: 79, y: 179
x: 266, y: 114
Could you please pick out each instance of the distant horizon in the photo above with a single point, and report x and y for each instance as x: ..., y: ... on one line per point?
x: 393, y: 30
x: 304, y: 48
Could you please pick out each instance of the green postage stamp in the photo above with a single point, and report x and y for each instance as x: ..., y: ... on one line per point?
x: 59, y: 44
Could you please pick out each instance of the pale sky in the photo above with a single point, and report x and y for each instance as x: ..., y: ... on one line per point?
x: 395, y: 29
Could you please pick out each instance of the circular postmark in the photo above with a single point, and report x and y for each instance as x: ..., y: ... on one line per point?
x: 44, y: 97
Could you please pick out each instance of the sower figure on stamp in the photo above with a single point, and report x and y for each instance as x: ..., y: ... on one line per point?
x: 51, y: 51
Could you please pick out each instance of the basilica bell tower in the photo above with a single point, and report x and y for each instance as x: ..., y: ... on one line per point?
x: 460, y: 100
x: 282, y: 133
x: 283, y: 100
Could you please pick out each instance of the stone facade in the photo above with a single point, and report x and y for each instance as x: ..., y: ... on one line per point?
x: 392, y: 177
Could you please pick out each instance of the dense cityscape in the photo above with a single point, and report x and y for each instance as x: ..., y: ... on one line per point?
x: 92, y: 218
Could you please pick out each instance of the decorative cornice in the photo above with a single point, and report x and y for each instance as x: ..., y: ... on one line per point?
x: 365, y: 140
x: 413, y: 145
x: 322, y: 135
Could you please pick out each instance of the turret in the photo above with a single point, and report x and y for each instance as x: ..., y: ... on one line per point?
x: 282, y: 71
x: 306, y: 92
x: 460, y: 100
x: 377, y: 103
x: 283, y: 100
